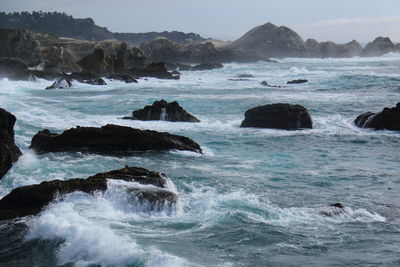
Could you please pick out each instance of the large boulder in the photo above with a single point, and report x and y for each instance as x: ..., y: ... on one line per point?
x: 154, y: 69
x: 388, y: 118
x: 21, y: 44
x: 31, y: 199
x: 9, y: 152
x: 278, y: 116
x: 268, y: 40
x: 379, y: 47
x: 110, y: 139
x: 164, y: 111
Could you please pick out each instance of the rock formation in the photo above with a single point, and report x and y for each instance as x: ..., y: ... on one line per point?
x: 31, y: 199
x: 388, y: 118
x: 278, y: 116
x: 110, y: 139
x: 164, y: 111
x: 332, y: 50
x: 297, y: 81
x: 268, y: 40
x: 379, y: 47
x: 9, y: 152
x: 61, y: 83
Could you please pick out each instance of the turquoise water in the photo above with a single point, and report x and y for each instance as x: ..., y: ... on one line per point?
x: 253, y: 199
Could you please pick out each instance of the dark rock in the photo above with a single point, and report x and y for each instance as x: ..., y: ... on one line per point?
x: 155, y: 69
x: 11, y: 65
x: 98, y: 81
x: 30, y: 200
x: 379, y: 47
x: 388, y: 118
x: 82, y: 76
x: 175, y: 66
x: 9, y: 152
x: 265, y: 83
x: 97, y: 62
x: 297, y: 81
x: 175, y: 72
x: 207, y: 66
x: 20, y: 44
x: 57, y: 59
x: 278, y: 116
x: 162, y: 110
x: 122, y: 77
x: 110, y: 139
x: 246, y: 76
x: 61, y: 83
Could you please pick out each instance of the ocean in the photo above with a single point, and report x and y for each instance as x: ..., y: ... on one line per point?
x: 254, y: 198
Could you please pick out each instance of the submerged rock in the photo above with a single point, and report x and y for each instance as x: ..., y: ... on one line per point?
x: 164, y: 111
x: 245, y: 76
x: 31, y: 199
x: 110, y: 139
x: 278, y: 116
x: 97, y: 81
x: 297, y: 81
x: 207, y: 66
x: 61, y: 83
x: 388, y: 118
x: 9, y: 152
x: 333, y: 210
x: 123, y: 77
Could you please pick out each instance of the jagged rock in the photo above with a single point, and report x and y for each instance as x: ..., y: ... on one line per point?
x: 268, y: 40
x: 9, y: 152
x: 162, y: 110
x: 97, y: 62
x: 61, y: 83
x: 379, y: 47
x: 122, y: 77
x: 207, y: 66
x: 57, y: 59
x: 297, y: 81
x: 278, y: 116
x: 21, y: 44
x: 31, y: 199
x: 388, y: 118
x: 110, y: 139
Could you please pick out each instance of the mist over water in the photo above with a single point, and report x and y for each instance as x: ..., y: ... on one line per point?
x: 254, y: 198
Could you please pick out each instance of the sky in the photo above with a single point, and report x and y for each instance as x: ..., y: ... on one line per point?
x: 336, y: 20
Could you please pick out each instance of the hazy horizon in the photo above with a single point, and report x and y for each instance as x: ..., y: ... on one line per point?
x: 228, y: 20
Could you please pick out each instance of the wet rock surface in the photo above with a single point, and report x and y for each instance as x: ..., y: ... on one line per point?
x: 278, y: 116
x: 110, y: 139
x: 9, y: 152
x: 31, y: 199
x: 388, y: 118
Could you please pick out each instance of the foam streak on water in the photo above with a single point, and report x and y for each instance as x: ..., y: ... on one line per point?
x: 255, y: 197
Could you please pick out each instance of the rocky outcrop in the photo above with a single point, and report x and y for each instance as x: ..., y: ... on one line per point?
x: 164, y: 111
x: 61, y: 83
x: 97, y: 62
x: 174, y: 36
x: 21, y: 44
x: 388, y: 118
x: 31, y: 199
x: 110, y: 139
x: 162, y: 49
x: 379, y: 47
x: 9, y: 152
x: 155, y: 69
x: 10, y: 66
x: 278, y: 116
x: 297, y: 81
x: 268, y: 40
x: 332, y: 50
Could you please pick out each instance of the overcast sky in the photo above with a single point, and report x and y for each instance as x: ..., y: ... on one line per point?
x: 337, y: 20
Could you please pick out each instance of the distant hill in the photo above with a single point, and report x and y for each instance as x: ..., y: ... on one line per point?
x: 64, y: 25
x: 59, y: 24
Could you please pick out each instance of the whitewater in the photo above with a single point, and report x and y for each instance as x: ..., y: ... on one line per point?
x: 253, y: 198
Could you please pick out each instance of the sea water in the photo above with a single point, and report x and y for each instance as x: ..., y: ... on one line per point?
x: 254, y: 198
